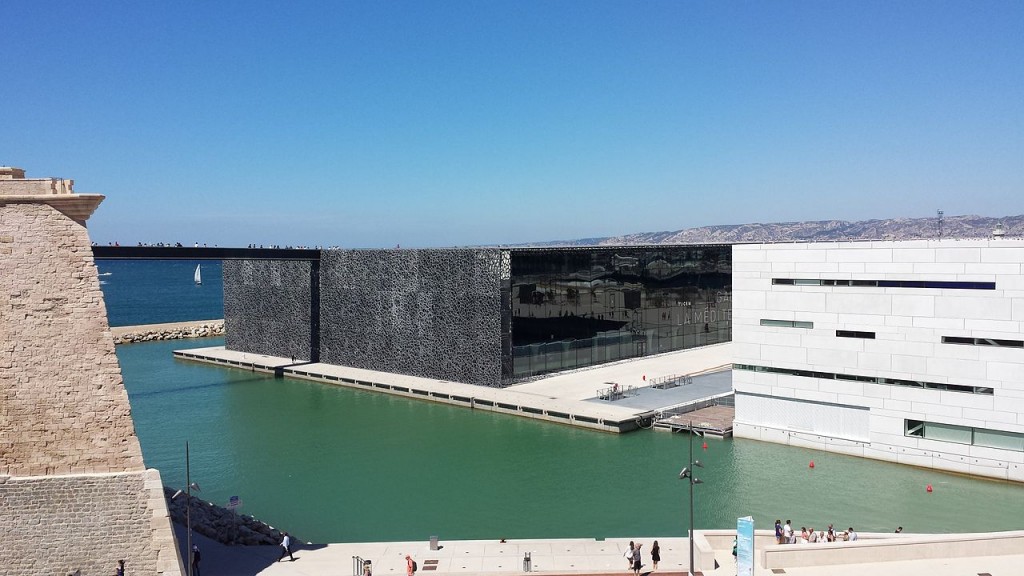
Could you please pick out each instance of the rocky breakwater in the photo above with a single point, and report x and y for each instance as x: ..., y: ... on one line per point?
x: 152, y: 332
x: 221, y: 524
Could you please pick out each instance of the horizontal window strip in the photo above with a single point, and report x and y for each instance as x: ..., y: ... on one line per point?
x: 786, y: 323
x: 983, y: 341
x: 938, y: 284
x: 867, y: 379
x: 855, y: 334
x: 964, y: 435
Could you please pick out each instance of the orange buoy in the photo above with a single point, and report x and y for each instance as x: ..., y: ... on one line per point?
x: 811, y: 465
x: 705, y: 445
x: 928, y: 488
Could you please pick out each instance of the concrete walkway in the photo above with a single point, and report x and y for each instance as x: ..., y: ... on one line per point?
x: 556, y: 556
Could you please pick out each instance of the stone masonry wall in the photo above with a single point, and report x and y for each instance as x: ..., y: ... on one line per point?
x: 63, y: 407
x: 60, y: 524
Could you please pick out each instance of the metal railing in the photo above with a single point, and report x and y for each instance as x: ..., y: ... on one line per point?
x: 616, y: 392
x: 671, y: 381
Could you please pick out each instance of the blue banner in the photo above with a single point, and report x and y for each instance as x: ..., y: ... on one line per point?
x: 744, y: 550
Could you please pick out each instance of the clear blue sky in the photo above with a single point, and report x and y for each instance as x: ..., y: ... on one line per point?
x: 427, y: 123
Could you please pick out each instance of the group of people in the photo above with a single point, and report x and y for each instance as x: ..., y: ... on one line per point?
x: 636, y: 562
x: 784, y: 534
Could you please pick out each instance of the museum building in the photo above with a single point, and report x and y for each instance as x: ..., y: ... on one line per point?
x: 486, y: 316
x: 911, y: 352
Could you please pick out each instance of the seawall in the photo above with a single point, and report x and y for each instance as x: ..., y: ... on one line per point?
x: 169, y: 331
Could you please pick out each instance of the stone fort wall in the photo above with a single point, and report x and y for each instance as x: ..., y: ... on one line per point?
x: 74, y: 493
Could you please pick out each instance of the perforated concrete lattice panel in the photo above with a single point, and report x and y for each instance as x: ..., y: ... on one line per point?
x: 431, y: 313
x: 268, y: 307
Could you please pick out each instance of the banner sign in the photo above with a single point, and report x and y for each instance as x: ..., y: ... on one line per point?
x: 745, y: 546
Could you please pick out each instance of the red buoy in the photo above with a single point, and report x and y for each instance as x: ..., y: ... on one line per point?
x: 811, y: 465
x: 928, y: 488
x: 705, y: 445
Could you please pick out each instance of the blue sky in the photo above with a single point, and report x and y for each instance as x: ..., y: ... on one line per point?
x: 370, y: 124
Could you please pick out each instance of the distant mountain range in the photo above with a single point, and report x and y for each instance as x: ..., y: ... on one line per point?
x: 820, y: 231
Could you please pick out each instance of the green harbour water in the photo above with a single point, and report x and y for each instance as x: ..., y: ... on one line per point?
x: 337, y: 465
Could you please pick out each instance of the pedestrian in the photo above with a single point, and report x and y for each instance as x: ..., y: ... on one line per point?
x: 852, y: 534
x: 636, y: 560
x: 196, y: 556
x: 734, y: 548
x: 778, y: 531
x: 286, y: 547
x: 655, y: 554
x: 120, y: 568
x: 787, y: 533
x: 899, y: 530
x: 629, y: 556
x: 410, y: 565
x: 831, y: 534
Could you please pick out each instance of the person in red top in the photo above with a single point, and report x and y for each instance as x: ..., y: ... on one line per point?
x: 408, y: 565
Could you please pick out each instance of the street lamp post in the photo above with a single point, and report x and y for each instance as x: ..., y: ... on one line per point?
x: 189, y: 485
x: 687, y: 474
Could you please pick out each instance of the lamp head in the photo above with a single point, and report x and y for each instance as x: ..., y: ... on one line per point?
x: 698, y: 464
x: 195, y: 486
x: 684, y: 474
x: 176, y: 494
x: 698, y: 481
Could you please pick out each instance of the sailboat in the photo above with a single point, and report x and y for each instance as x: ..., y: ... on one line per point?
x: 198, y: 275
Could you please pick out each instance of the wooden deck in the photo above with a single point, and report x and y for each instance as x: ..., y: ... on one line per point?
x: 713, y: 420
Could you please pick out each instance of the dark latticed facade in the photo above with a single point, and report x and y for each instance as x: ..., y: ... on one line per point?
x: 481, y: 316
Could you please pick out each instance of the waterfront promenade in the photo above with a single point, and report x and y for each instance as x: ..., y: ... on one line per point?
x: 601, y: 557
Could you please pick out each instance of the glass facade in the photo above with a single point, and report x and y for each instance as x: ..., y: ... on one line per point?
x: 575, y: 307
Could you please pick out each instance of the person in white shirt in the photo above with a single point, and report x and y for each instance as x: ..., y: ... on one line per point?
x: 787, y: 533
x: 853, y: 535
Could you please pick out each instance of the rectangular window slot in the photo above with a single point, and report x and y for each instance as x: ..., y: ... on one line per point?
x: 532, y: 410
x: 421, y: 392
x: 400, y: 389
x: 460, y: 398
x: 855, y: 334
x: 384, y: 386
x: 786, y: 323
x: 934, y: 284
x: 867, y: 379
x: 483, y: 403
x: 508, y: 406
x: 588, y: 419
x: 983, y: 341
x: 440, y: 395
x: 558, y: 415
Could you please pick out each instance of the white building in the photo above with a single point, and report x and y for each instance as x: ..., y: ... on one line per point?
x: 911, y: 352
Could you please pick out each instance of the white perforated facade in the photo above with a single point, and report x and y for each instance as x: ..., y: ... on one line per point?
x: 911, y: 352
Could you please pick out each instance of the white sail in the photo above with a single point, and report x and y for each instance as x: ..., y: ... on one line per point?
x: 199, y: 275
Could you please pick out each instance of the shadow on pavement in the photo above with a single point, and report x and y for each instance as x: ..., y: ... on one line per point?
x: 220, y: 560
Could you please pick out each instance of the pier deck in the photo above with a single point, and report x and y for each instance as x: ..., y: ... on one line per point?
x: 713, y: 421
x: 567, y: 398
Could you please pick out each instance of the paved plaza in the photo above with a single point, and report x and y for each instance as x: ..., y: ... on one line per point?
x: 553, y: 556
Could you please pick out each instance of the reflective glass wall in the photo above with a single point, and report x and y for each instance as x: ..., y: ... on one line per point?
x: 574, y: 307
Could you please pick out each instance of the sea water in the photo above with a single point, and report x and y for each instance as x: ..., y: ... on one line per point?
x: 333, y: 464
x: 158, y: 291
